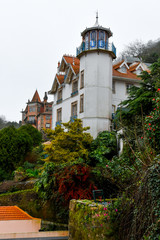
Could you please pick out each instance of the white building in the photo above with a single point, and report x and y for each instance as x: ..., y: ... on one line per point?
x: 89, y: 86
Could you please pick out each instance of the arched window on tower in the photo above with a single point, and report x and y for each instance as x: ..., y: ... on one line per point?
x: 87, y: 41
x: 101, y: 41
x: 93, y: 39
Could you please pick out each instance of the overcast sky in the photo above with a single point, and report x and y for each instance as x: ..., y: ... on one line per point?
x: 34, y: 34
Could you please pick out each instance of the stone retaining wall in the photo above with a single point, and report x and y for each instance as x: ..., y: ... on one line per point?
x: 89, y: 221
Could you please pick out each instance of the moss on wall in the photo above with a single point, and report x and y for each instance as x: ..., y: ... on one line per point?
x: 89, y: 220
x: 29, y: 201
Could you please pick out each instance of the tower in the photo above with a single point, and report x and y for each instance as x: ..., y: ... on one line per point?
x: 96, y: 55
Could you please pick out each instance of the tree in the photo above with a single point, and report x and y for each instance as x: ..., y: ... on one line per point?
x: 14, y: 145
x: 103, y: 148
x: 139, y: 101
x: 149, y: 52
x: 68, y: 143
x: 33, y: 132
x: 4, y: 123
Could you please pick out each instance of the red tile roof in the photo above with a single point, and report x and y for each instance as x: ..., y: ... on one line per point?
x: 134, y: 66
x: 70, y: 59
x: 60, y: 78
x: 118, y: 64
x: 36, y: 97
x: 13, y: 213
x: 125, y: 75
x: 76, y: 68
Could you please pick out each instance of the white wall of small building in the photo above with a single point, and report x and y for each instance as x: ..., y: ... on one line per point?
x: 121, y: 91
x: 20, y: 226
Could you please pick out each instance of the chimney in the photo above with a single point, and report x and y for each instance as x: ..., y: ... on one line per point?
x: 58, y: 67
x: 45, y: 97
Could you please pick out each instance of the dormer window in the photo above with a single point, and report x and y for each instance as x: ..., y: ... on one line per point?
x: 123, y: 69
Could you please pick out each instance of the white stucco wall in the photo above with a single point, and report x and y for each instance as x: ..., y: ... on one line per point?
x: 67, y: 100
x: 120, y: 91
x: 97, y: 68
x: 20, y: 226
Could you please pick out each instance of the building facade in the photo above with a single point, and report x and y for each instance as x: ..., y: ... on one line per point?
x: 89, y: 86
x: 38, y: 113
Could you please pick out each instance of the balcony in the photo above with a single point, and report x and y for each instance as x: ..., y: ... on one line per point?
x: 58, y: 123
x: 73, y: 117
x: 74, y: 93
x: 59, y: 101
x: 32, y: 122
x: 100, y: 44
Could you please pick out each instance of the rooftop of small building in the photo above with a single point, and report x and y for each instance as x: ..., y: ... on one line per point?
x: 13, y: 213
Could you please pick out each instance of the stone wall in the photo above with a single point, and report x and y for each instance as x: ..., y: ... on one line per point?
x: 90, y: 221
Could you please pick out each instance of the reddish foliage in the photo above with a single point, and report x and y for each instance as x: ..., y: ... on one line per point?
x: 74, y: 182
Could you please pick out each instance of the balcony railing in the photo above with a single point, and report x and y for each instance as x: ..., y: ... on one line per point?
x: 100, y: 44
x: 72, y: 118
x: 74, y: 93
x: 59, y: 101
x: 58, y: 123
x: 33, y: 122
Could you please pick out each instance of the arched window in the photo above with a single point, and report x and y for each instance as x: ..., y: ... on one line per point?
x: 93, y: 39
x: 101, y: 41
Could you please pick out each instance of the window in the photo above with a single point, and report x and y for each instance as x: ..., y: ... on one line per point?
x: 32, y: 109
x: 74, y: 109
x: 74, y: 87
x: 93, y: 36
x: 101, y: 35
x: 31, y: 118
x: 113, y: 108
x: 82, y: 103
x: 82, y: 79
x: 48, y: 117
x: 48, y: 108
x: 113, y: 87
x: 59, y: 96
x: 47, y: 125
x: 59, y: 115
x: 128, y: 86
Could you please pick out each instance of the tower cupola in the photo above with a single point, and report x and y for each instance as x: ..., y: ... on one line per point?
x: 96, y: 38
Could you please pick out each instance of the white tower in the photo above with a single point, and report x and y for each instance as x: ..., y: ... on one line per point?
x: 96, y: 55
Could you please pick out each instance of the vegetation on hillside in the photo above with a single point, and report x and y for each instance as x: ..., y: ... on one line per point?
x: 15, y: 144
x: 149, y: 52
x: 4, y: 123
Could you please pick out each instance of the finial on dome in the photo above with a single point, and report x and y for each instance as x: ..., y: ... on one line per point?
x: 96, y: 23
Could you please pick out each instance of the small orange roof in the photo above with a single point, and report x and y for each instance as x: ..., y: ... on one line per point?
x: 60, y: 78
x: 36, y: 97
x: 71, y: 60
x: 128, y: 75
x: 13, y: 213
x: 118, y: 64
x: 76, y: 68
x: 134, y: 66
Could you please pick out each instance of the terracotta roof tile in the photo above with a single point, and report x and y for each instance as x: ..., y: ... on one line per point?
x: 76, y: 68
x: 129, y: 74
x: 13, y: 213
x: 134, y: 66
x: 118, y: 64
x: 36, y: 97
x: 70, y: 59
x: 60, y: 78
